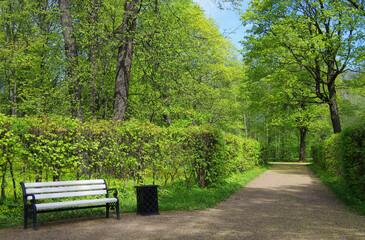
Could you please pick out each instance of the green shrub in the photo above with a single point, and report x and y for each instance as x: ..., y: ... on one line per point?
x: 343, y: 155
x: 332, y: 158
x: 353, y: 158
x: 318, y: 154
x: 57, y: 148
x: 207, y: 154
x: 244, y: 153
x: 326, y: 154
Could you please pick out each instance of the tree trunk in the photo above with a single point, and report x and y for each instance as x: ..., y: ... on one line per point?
x: 13, y: 179
x: 303, y: 133
x: 245, y: 122
x: 3, y: 180
x: 13, y: 91
x: 335, y: 117
x: 330, y: 96
x: 94, y: 56
x: 125, y: 57
x: 71, y: 55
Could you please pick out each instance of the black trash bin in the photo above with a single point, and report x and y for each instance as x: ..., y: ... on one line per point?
x: 147, y: 200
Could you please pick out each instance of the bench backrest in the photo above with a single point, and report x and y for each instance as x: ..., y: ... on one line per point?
x: 62, y: 189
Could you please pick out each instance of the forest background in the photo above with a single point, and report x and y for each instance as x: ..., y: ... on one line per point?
x: 137, y: 88
x: 182, y: 70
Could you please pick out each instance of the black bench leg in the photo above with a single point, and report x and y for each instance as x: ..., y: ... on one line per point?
x: 117, y: 209
x: 107, y: 210
x: 35, y: 219
x: 25, y: 218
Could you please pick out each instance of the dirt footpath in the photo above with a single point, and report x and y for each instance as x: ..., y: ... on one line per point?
x: 286, y: 202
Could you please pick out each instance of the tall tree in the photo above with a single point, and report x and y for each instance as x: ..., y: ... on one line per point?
x: 184, y: 68
x: 13, y: 46
x: 321, y: 36
x: 288, y: 110
x: 94, y: 56
x: 26, y: 73
x: 126, y: 32
x: 276, y: 84
x: 72, y: 58
x: 172, y: 62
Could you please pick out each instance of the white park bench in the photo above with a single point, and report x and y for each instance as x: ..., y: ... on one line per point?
x: 66, y: 195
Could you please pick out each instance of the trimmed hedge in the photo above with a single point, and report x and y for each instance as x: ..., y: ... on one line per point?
x: 353, y: 158
x: 344, y: 155
x: 51, y: 148
x: 326, y: 154
x: 244, y: 153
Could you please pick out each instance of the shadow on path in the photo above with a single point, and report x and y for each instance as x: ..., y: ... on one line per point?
x: 286, y: 202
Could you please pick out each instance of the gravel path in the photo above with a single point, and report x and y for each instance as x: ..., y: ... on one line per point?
x: 286, y: 202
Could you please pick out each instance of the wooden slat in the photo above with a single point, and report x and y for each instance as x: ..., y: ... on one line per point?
x: 68, y: 194
x: 62, y: 183
x: 65, y: 189
x: 44, y: 206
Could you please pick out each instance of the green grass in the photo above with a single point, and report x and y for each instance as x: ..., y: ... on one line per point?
x: 339, y: 187
x: 179, y: 198
x: 175, y: 197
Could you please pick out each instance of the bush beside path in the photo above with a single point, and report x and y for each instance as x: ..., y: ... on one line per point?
x: 286, y: 202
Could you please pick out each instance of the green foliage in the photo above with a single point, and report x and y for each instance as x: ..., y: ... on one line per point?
x: 299, y: 36
x: 244, y: 153
x: 317, y: 154
x: 208, y: 156
x: 183, y: 70
x: 195, y: 163
x: 326, y: 154
x: 53, y: 147
x: 342, y: 155
x: 353, y: 158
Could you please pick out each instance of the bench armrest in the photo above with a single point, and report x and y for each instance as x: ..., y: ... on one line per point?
x: 115, y: 194
x: 31, y: 200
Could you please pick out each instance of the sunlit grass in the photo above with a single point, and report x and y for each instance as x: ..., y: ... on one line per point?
x: 179, y: 198
x: 175, y: 196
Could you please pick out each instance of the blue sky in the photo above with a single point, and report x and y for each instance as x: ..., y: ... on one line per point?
x: 228, y: 20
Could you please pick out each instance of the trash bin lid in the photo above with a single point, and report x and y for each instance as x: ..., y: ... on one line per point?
x: 146, y: 186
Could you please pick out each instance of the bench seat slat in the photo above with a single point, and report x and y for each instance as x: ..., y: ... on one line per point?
x: 44, y: 206
x: 67, y: 194
x: 63, y: 183
x: 65, y: 189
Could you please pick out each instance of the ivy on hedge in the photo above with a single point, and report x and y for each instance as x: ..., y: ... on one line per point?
x: 54, y: 147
